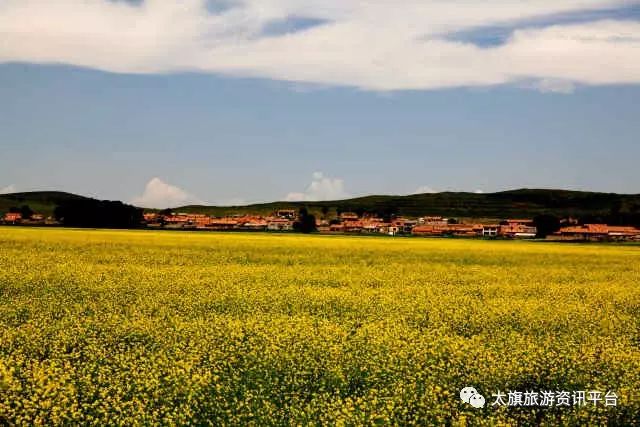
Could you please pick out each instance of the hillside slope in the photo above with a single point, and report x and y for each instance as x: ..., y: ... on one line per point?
x: 507, y: 204
x: 515, y: 203
x: 39, y: 201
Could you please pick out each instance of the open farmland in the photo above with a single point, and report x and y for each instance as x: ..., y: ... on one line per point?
x: 140, y: 327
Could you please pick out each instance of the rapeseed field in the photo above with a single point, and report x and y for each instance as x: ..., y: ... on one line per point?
x: 170, y: 328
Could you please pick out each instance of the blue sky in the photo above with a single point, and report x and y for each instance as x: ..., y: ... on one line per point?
x: 484, y: 100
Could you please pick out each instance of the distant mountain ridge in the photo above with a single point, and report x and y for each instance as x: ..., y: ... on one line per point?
x: 505, y: 204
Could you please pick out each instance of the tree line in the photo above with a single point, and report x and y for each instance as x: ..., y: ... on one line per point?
x: 90, y: 213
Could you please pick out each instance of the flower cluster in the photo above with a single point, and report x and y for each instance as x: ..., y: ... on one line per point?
x: 160, y: 328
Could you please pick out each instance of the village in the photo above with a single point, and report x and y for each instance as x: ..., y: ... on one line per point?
x: 351, y: 223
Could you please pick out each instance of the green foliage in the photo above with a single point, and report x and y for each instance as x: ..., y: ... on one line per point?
x: 26, y: 211
x: 306, y: 222
x: 546, y: 225
x: 42, y: 202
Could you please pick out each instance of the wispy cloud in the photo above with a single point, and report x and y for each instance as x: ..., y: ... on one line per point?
x: 321, y: 188
x: 159, y: 194
x: 381, y: 46
x: 424, y: 189
x: 555, y: 86
x: 8, y: 189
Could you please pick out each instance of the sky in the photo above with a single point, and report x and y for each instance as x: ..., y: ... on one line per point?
x: 163, y: 103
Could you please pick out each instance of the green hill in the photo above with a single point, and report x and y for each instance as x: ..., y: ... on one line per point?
x: 43, y: 202
x: 506, y: 204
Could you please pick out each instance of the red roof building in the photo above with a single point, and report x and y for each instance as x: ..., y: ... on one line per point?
x: 12, y: 217
x: 447, y: 230
x: 518, y: 230
x: 279, y: 224
x: 598, y: 232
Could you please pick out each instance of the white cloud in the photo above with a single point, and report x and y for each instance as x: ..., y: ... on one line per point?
x: 382, y: 45
x: 556, y: 86
x: 159, y: 194
x: 8, y: 189
x: 321, y: 188
x: 424, y: 189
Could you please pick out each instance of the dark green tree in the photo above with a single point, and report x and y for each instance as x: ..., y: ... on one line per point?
x: 98, y: 214
x: 325, y: 212
x: 546, y: 225
x: 26, y: 212
x: 306, y: 222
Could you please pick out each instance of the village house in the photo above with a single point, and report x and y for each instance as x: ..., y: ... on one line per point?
x: 622, y: 232
x: 222, y: 224
x: 370, y: 226
x: 323, y: 226
x: 12, y: 218
x: 150, y: 217
x: 432, y: 220
x: 388, y: 228
x: 426, y: 230
x: 35, y: 219
x: 279, y: 224
x: 184, y: 220
x: 528, y: 222
x: 349, y: 216
x: 352, y: 226
x: 290, y: 214
x: 336, y: 228
x: 405, y: 226
x: 485, y: 230
x: 153, y: 220
x: 252, y: 223
x: 465, y: 230
x: 176, y: 221
x: 597, y: 232
x: 515, y: 229
x: 518, y: 229
x: 201, y: 221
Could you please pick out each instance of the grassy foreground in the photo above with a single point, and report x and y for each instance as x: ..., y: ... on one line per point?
x: 140, y: 328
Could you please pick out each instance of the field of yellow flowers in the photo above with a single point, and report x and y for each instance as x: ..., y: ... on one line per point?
x: 148, y: 328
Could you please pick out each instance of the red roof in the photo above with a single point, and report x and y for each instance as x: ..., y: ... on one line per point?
x: 599, y: 229
x: 12, y: 216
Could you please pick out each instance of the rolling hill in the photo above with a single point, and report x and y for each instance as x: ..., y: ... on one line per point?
x: 43, y: 202
x: 506, y: 204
